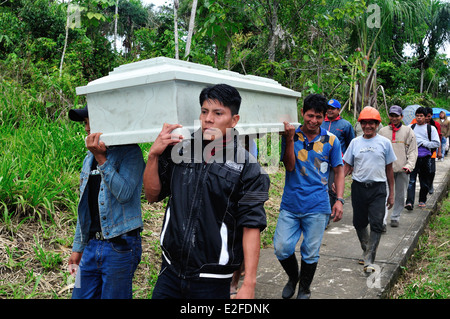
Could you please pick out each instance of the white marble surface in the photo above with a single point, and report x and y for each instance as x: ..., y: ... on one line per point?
x: 131, y: 104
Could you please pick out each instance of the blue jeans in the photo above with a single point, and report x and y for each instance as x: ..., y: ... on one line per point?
x: 443, y: 145
x: 290, y: 227
x: 107, y: 267
x: 170, y: 286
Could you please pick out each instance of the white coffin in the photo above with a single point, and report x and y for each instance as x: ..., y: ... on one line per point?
x: 132, y: 103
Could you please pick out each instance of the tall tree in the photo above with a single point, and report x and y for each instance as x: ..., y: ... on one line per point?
x: 268, y: 11
x: 368, y: 38
x: 176, y: 5
x: 191, y: 28
x: 65, y: 39
x: 116, y: 18
x: 436, y: 24
x: 131, y: 17
x: 220, y: 21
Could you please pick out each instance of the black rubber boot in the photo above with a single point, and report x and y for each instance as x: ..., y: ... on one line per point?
x: 363, y: 236
x: 307, y: 272
x: 369, y: 256
x: 290, y: 266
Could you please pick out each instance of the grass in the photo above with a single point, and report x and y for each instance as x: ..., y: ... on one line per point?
x: 272, y: 206
x: 39, y: 174
x: 49, y: 260
x: 34, y: 153
x: 40, y: 160
x: 427, y: 273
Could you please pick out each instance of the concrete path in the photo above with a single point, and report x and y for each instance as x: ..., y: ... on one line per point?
x: 338, y: 275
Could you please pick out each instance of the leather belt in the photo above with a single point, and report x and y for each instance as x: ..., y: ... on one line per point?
x: 369, y: 184
x: 99, y: 235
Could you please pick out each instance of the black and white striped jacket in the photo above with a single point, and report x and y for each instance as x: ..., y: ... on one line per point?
x: 210, y: 202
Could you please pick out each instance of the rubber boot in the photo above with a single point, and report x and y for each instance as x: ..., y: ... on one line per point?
x: 307, y: 272
x: 369, y: 256
x: 290, y: 266
x: 363, y: 236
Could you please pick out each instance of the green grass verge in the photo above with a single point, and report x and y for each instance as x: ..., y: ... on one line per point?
x: 427, y: 273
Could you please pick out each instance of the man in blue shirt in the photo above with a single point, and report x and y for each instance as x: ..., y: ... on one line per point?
x: 335, y: 124
x: 343, y: 130
x: 308, y: 152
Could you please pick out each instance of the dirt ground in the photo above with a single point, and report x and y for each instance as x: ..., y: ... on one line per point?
x: 34, y: 257
x: 34, y: 253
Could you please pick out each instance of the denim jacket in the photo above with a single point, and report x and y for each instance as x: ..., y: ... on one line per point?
x: 119, y: 198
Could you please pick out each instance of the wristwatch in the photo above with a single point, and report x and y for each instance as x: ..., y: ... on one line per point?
x: 341, y: 200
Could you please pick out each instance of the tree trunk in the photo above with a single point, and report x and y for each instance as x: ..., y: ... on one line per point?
x: 273, y: 32
x: 175, y: 19
x: 228, y: 56
x: 422, y: 71
x: 191, y: 28
x: 65, y: 40
x: 116, y: 16
x: 216, y: 55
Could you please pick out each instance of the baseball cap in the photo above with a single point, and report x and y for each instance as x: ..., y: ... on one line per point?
x: 334, y: 103
x: 78, y: 115
x: 395, y: 109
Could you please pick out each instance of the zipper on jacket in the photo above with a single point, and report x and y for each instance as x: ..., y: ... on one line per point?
x: 192, y: 219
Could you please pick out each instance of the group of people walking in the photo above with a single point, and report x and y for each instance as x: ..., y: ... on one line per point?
x: 216, y: 192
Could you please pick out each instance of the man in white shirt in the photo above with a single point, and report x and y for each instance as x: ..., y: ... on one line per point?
x: 427, y: 140
x: 371, y: 158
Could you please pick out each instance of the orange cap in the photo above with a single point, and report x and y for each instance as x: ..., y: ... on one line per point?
x: 369, y: 113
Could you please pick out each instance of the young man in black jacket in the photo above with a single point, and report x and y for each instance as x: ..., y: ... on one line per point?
x: 216, y: 201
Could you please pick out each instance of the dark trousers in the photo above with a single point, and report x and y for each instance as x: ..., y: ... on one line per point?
x: 170, y: 286
x: 369, y: 204
x: 423, y: 169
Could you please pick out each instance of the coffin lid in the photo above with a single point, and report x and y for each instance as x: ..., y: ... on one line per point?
x: 166, y: 69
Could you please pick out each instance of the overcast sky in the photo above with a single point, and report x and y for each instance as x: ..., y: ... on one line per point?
x: 157, y: 2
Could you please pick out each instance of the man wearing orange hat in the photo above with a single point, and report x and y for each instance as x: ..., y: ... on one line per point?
x: 370, y: 157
